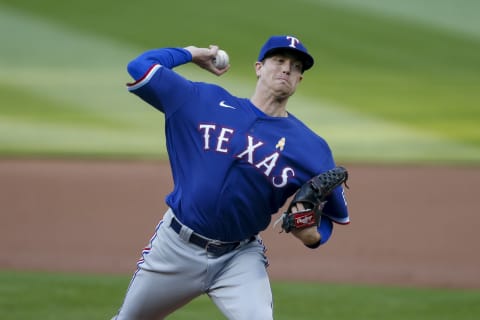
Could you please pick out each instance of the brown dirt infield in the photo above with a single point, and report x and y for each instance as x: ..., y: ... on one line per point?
x: 413, y: 226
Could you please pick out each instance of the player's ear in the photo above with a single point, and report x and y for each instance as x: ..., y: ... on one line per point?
x: 258, y: 68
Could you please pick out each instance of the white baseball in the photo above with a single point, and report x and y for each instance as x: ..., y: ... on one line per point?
x: 221, y: 60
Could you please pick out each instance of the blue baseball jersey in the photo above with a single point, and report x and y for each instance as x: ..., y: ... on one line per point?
x: 233, y: 166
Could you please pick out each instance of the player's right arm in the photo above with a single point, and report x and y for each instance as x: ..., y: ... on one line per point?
x: 166, y: 57
x: 156, y: 83
x: 174, y: 57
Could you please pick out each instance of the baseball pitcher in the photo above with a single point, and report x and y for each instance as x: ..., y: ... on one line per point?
x: 235, y: 162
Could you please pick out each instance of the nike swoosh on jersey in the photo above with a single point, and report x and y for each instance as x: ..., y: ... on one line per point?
x: 224, y: 105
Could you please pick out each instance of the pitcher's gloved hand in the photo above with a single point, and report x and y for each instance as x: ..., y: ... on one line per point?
x: 312, y: 195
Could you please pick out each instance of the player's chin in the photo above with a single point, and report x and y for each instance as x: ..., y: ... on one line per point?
x: 280, y: 82
x: 284, y: 90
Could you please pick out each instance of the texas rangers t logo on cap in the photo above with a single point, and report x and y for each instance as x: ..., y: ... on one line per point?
x: 293, y: 41
x: 276, y: 44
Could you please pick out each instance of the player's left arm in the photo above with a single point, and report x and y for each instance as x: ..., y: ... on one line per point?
x: 315, y: 236
x: 333, y: 209
x: 336, y: 206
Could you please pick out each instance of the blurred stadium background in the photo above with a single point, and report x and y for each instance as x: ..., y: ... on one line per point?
x: 393, y: 81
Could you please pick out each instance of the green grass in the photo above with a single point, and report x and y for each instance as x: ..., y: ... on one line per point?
x: 49, y: 296
x: 399, y: 90
x: 68, y: 130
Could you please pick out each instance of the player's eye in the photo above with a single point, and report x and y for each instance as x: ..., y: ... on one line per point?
x: 298, y: 66
x: 279, y: 60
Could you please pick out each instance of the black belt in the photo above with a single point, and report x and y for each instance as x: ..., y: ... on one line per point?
x: 216, y: 248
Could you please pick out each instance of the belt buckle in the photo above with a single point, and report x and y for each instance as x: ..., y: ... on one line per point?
x: 218, y: 248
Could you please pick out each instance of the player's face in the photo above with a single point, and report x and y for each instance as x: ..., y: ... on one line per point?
x: 281, y: 73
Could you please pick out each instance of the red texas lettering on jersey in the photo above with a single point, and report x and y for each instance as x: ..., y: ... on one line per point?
x: 266, y: 165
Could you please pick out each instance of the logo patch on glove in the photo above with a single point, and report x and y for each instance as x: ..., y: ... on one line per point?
x: 304, y: 219
x: 313, y: 195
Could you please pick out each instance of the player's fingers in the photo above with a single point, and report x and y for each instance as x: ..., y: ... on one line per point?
x: 298, y: 207
x: 205, y: 60
x: 213, y: 49
x: 219, y: 72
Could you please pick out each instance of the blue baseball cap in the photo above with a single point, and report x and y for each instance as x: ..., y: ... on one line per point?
x: 286, y: 43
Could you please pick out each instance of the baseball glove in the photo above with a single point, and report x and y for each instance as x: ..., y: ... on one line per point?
x: 312, y: 195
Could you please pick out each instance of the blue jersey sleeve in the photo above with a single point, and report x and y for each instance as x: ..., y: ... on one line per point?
x: 166, y: 57
x: 336, y: 206
x: 325, y: 229
x: 155, y: 82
